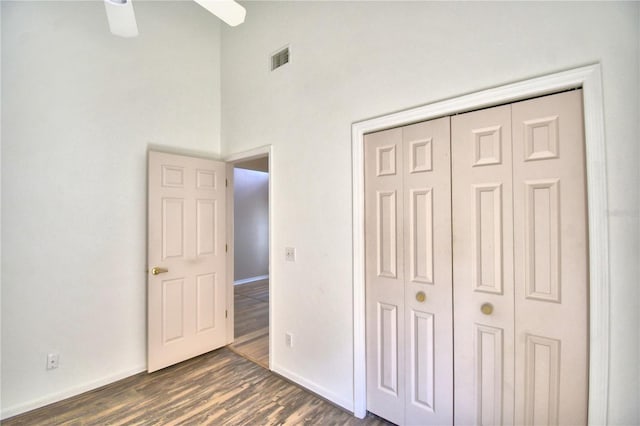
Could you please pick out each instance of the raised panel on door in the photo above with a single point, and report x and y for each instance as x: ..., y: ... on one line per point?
x: 384, y: 275
x: 421, y: 363
x: 187, y: 302
x: 173, y: 299
x: 207, y: 286
x: 206, y: 225
x: 386, y: 334
x: 551, y: 252
x: 488, y: 374
x: 539, y: 393
x: 482, y: 266
x: 173, y: 226
x: 427, y: 272
x: 387, y: 235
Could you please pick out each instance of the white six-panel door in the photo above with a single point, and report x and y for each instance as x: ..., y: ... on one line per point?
x: 186, y: 256
x: 520, y: 287
x: 408, y: 218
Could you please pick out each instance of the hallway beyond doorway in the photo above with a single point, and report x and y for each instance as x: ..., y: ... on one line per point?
x: 251, y: 304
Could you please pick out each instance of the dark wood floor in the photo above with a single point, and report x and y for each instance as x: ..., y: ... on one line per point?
x: 218, y: 388
x: 251, y: 306
x: 251, y: 319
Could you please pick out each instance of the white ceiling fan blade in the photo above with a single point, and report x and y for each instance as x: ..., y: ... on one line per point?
x: 229, y: 11
x: 121, y: 17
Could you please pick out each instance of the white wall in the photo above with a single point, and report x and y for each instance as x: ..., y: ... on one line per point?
x: 251, y: 224
x: 79, y: 109
x: 355, y: 60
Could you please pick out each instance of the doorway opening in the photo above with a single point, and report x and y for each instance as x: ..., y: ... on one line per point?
x: 251, y: 259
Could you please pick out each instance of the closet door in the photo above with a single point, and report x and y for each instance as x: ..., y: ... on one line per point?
x: 551, y: 252
x: 408, y: 274
x: 384, y: 274
x: 483, y: 266
x: 427, y: 265
x: 496, y: 197
x: 520, y: 263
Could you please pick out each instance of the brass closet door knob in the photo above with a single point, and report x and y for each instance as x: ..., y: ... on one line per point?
x: 486, y: 308
x: 421, y: 296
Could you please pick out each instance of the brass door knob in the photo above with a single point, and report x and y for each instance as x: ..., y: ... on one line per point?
x: 157, y: 270
x: 486, y: 308
x: 420, y: 296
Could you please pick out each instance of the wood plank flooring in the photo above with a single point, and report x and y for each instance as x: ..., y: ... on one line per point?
x: 217, y: 388
x: 251, y: 304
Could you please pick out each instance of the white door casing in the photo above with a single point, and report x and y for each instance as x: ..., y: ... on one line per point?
x: 187, y: 238
x: 589, y: 78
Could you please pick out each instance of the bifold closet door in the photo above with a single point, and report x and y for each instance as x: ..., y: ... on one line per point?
x: 384, y: 273
x: 408, y: 274
x: 551, y: 261
x: 520, y: 253
x: 509, y: 220
x: 483, y: 267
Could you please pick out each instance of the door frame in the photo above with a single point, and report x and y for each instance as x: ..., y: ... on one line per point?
x: 232, y: 159
x: 589, y: 78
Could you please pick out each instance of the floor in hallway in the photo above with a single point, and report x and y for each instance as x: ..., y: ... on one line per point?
x: 251, y: 304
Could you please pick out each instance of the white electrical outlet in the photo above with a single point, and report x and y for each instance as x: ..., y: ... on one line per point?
x: 290, y: 254
x: 52, y: 361
x: 289, y: 340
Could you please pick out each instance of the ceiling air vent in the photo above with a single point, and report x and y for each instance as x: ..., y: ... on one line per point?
x: 280, y: 58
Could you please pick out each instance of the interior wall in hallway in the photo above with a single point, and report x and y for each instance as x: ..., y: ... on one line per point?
x: 251, y: 224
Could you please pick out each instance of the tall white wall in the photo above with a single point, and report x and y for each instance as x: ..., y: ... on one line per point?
x: 251, y: 224
x: 79, y: 109
x: 356, y: 60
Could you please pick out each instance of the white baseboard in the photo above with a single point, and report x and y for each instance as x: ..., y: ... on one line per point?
x: 250, y: 280
x: 347, y: 404
x: 68, y: 393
